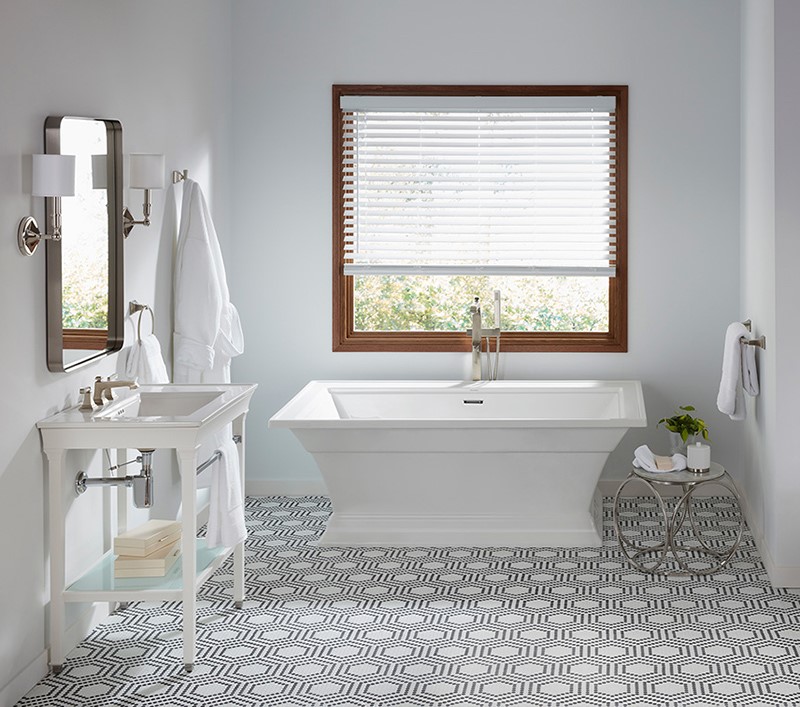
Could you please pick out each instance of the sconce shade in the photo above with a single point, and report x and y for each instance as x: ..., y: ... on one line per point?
x: 99, y: 171
x: 146, y: 171
x: 53, y: 175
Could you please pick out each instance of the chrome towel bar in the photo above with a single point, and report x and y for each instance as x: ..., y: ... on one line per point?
x: 237, y: 439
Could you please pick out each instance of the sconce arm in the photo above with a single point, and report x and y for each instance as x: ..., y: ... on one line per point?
x: 29, y: 235
x: 128, y: 221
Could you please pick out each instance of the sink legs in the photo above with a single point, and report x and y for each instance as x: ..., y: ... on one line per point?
x: 187, y: 459
x: 55, y: 466
x: 238, y: 552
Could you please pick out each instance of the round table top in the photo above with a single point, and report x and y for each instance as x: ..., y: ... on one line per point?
x: 681, y: 477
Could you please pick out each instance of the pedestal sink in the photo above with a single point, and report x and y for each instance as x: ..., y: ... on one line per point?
x: 176, y: 417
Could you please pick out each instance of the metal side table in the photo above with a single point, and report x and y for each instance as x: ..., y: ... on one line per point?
x: 695, y: 546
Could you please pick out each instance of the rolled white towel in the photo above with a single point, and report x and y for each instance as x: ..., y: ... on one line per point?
x: 643, y: 458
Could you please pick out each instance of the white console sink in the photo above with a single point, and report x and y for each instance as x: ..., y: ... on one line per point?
x: 179, y: 417
x: 152, y: 416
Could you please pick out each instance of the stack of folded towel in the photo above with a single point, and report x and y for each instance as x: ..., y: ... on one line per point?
x: 643, y: 458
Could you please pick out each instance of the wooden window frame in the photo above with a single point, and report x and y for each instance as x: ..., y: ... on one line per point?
x: 85, y: 339
x: 615, y: 340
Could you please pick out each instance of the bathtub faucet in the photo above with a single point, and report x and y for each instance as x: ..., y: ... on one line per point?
x: 477, y: 332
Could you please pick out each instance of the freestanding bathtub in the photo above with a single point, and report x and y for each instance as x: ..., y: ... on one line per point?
x: 444, y: 463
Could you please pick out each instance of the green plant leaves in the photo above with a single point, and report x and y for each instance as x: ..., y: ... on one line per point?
x: 685, y: 424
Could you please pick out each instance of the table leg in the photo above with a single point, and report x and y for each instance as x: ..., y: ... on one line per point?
x: 187, y: 462
x: 720, y: 557
x: 633, y: 552
x: 55, y: 467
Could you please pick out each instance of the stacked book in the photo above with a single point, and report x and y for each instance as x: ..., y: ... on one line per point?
x: 149, y: 550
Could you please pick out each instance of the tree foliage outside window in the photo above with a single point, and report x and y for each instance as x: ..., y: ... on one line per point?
x: 441, y: 303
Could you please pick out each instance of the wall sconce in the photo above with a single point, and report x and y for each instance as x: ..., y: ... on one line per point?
x: 146, y: 172
x: 53, y: 176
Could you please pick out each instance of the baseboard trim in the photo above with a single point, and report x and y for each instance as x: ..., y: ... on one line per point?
x: 24, y: 681
x: 285, y: 487
x: 313, y: 487
x: 82, y: 627
x: 779, y: 577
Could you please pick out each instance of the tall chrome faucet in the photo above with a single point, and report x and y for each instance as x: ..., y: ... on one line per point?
x: 477, y: 332
x: 477, y: 338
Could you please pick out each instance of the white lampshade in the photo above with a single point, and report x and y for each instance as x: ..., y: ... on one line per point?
x: 53, y: 175
x: 99, y: 171
x: 146, y: 171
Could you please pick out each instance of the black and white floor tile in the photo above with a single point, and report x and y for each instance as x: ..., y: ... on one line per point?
x: 448, y: 626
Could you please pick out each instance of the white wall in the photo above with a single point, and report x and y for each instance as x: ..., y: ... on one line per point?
x: 681, y: 61
x: 784, y: 541
x: 770, y: 222
x: 163, y: 70
x: 759, y: 479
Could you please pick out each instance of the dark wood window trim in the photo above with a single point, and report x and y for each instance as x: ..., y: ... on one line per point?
x: 85, y: 339
x: 345, y: 338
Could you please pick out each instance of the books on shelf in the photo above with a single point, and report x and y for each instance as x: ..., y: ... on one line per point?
x: 156, y: 564
x: 147, y: 538
x: 147, y: 551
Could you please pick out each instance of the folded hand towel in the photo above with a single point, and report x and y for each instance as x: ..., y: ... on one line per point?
x: 738, y: 366
x: 643, y: 458
x: 145, y: 361
x: 226, y: 507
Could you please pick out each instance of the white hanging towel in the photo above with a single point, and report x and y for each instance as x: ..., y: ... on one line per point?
x: 739, y: 374
x: 145, y: 362
x: 207, y: 335
x: 226, y: 507
x: 208, y: 332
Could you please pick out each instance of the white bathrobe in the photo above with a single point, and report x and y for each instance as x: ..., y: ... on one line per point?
x: 207, y: 335
x: 208, y: 332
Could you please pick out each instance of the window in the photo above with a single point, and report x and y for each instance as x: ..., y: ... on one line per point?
x: 442, y: 193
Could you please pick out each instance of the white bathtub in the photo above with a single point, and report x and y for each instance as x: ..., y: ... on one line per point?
x: 443, y: 463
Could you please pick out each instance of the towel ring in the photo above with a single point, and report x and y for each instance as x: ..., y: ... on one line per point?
x: 760, y: 342
x: 134, y: 307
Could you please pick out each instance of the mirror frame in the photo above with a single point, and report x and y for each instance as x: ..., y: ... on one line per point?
x: 116, y: 269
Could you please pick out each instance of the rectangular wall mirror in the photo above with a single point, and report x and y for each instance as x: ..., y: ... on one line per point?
x: 85, y: 316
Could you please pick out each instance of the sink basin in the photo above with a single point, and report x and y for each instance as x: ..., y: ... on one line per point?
x: 160, y: 404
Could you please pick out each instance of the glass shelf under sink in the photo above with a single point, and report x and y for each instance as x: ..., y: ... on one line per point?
x: 100, y: 583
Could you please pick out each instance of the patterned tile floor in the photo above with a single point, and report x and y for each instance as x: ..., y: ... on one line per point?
x: 448, y: 626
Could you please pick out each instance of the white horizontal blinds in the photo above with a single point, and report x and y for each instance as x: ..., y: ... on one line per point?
x: 479, y: 185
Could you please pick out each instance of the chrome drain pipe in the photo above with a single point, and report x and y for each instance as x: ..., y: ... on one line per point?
x: 142, y: 483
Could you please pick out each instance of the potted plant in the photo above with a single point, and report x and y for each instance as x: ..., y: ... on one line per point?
x: 683, y: 428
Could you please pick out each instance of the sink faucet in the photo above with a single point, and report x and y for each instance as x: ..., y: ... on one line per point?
x: 477, y: 332
x: 103, y: 390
